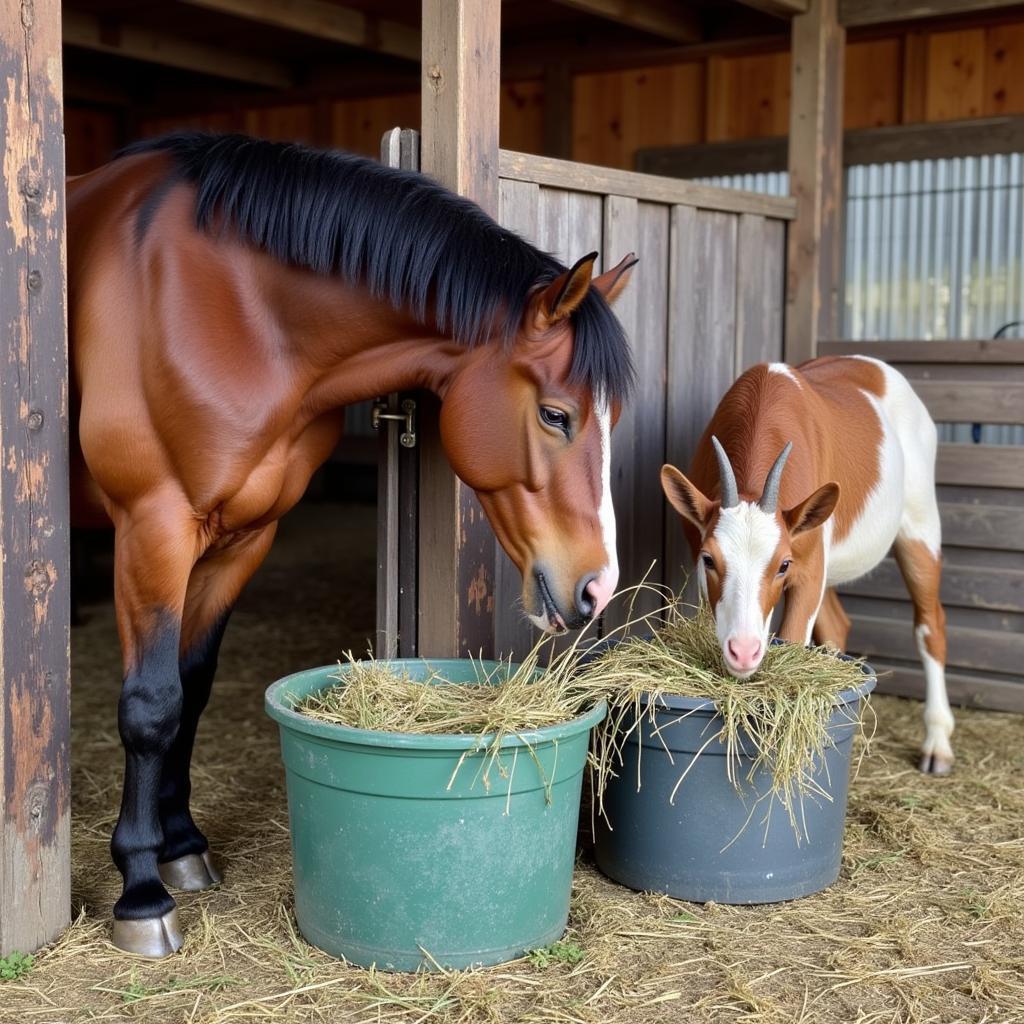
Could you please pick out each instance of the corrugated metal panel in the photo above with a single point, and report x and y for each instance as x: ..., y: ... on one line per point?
x: 934, y: 250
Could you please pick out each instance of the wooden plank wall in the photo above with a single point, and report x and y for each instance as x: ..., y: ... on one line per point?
x: 903, y: 77
x: 981, y: 501
x: 705, y: 302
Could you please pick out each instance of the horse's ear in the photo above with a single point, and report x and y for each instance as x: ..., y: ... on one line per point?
x: 611, y: 282
x: 689, y: 501
x: 558, y: 301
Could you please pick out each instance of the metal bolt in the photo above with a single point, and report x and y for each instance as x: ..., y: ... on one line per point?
x: 35, y: 419
x: 35, y: 280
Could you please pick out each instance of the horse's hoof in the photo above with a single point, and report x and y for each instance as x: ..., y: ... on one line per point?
x: 151, y: 936
x: 936, y: 764
x: 193, y: 872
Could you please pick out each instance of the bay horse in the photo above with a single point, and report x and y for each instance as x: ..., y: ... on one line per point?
x: 227, y: 298
x: 858, y: 448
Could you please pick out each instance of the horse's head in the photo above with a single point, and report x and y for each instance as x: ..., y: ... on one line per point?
x: 747, y: 552
x: 527, y: 425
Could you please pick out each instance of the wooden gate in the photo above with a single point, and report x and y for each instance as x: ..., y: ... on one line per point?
x: 981, y: 500
x: 706, y: 301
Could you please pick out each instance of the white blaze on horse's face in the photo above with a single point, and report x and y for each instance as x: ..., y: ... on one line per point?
x: 744, y: 545
x: 600, y: 585
x: 604, y: 586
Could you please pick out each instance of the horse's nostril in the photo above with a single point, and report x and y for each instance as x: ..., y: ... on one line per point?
x: 584, y: 601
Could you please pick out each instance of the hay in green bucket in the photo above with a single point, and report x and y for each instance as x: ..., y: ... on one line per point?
x: 509, y: 699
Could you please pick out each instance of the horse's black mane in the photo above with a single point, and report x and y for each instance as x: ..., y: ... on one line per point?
x: 408, y: 239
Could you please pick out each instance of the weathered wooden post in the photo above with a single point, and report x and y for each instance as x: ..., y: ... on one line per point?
x: 814, y: 261
x: 34, y: 610
x: 459, y: 147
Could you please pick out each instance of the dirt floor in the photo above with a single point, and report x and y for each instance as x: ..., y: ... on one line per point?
x: 925, y: 924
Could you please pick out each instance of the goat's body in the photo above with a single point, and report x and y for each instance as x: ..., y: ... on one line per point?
x: 857, y: 422
x: 902, y: 501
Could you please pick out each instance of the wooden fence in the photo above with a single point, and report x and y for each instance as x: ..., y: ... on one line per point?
x: 706, y: 301
x: 981, y: 500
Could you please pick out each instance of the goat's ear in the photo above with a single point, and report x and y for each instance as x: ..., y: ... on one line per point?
x: 691, y: 503
x: 611, y: 283
x: 813, y: 510
x: 558, y: 300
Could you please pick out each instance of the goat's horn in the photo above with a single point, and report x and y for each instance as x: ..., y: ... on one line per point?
x: 730, y: 494
x: 770, y: 496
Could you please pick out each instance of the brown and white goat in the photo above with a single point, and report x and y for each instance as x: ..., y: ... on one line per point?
x: 858, y: 449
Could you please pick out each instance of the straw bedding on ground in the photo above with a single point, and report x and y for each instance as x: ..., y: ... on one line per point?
x: 925, y: 924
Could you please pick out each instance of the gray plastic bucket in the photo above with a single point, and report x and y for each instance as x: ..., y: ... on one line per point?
x: 706, y: 845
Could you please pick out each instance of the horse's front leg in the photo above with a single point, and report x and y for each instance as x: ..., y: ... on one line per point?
x: 216, y: 582
x: 153, y: 557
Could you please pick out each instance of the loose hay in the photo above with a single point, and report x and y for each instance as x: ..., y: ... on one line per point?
x: 775, y: 722
x: 926, y: 923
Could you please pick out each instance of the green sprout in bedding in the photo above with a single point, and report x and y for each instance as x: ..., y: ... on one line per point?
x: 561, y: 951
x: 15, y: 966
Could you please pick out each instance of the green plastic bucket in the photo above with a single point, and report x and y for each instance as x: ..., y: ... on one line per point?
x: 403, y: 862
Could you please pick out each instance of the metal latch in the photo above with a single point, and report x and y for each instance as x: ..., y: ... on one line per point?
x: 407, y: 416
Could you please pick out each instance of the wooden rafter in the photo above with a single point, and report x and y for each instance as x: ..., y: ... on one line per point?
x: 780, y: 8
x: 325, y: 21
x: 663, y: 18
x: 878, y: 12
x: 90, y: 33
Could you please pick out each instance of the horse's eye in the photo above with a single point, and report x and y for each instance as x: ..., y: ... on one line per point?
x: 557, y: 418
x: 709, y: 562
x: 784, y: 568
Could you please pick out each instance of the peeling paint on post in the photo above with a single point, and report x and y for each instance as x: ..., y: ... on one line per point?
x: 35, y: 870
x: 459, y: 147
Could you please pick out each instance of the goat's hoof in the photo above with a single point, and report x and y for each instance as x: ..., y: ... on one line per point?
x: 193, y: 872
x: 154, y: 937
x: 936, y: 764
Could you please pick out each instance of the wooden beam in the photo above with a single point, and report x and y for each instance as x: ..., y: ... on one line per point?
x: 985, y: 136
x: 965, y: 689
x: 878, y: 12
x: 90, y: 33
x: 579, y: 177
x: 459, y: 147
x: 35, y: 865
x: 986, y: 350
x: 780, y: 8
x: 659, y: 17
x: 813, y: 263
x: 325, y: 21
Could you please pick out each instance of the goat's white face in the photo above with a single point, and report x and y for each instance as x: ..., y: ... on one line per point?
x: 741, y: 568
x: 746, y: 554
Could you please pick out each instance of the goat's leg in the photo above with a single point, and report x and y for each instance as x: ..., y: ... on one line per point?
x: 920, y: 563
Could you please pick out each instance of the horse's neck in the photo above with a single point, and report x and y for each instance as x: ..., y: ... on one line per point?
x: 355, y: 346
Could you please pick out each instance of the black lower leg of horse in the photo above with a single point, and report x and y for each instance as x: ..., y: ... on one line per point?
x: 149, y: 713
x: 197, y: 666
